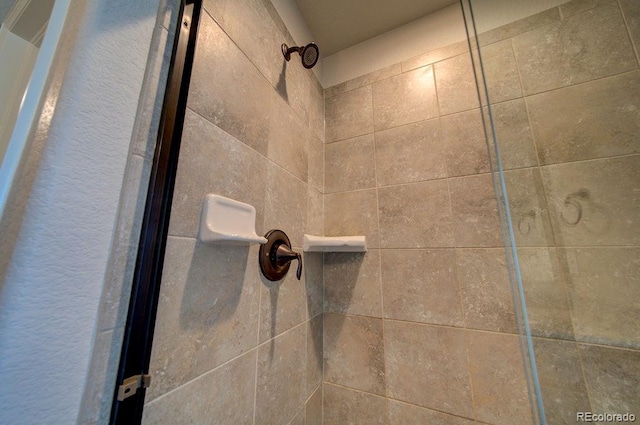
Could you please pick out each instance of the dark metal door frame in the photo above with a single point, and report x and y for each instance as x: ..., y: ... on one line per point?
x: 128, y: 399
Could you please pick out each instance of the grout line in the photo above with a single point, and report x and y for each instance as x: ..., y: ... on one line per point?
x: 581, y: 83
x: 626, y: 24
x: 591, y: 344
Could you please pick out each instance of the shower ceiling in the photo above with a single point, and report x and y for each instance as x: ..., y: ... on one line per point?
x: 339, y: 24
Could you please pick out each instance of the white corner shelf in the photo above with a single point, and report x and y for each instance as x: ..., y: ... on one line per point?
x: 225, y: 221
x: 334, y: 244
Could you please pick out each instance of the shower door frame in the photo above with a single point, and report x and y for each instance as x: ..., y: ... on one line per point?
x: 143, y: 305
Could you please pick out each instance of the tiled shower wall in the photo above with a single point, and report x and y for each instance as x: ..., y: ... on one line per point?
x: 421, y: 328
x: 565, y: 88
x: 231, y: 347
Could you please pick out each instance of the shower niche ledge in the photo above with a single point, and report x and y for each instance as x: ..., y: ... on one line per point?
x: 225, y: 221
x: 334, y: 244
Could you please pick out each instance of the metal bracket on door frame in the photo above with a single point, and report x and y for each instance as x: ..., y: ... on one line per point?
x: 130, y: 385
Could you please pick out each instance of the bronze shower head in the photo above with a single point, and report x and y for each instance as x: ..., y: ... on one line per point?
x: 309, y: 54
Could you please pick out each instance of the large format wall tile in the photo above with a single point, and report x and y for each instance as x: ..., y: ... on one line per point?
x: 350, y: 164
x: 349, y: 115
x: 352, y: 213
x: 313, y: 282
x: 518, y: 27
x: 513, y: 131
x: 548, y: 306
x: 239, y: 174
x: 315, y: 357
x: 228, y: 90
x: 631, y: 10
x: 207, y: 312
x: 352, y: 283
x: 603, y: 284
x: 313, y: 408
x: 283, y: 304
x: 224, y: 396
x: 500, y: 72
x: 456, y: 85
x: 404, y: 413
x: 595, y: 202
x: 466, y: 147
x: 427, y: 366
x: 486, y: 293
x: 499, y: 386
x: 415, y: 215
x: 613, y: 378
x: 405, y: 98
x: 289, y: 141
x: 343, y: 406
x: 285, y: 204
x: 528, y: 208
x: 410, y: 153
x: 281, y: 377
x: 561, y: 380
x: 591, y: 120
x: 354, y: 352
x: 571, y: 52
x: 421, y: 286
x: 475, y: 212
x: 574, y: 7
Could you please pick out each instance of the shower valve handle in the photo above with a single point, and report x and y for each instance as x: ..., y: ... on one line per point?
x: 285, y: 255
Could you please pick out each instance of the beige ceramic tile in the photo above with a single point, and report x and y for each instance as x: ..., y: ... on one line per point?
x: 578, y: 6
x: 415, y: 215
x: 315, y: 213
x: 316, y: 163
x: 403, y: 413
x: 289, y: 142
x: 486, y: 292
x: 350, y: 164
x: 283, y: 304
x: 631, y: 11
x: 285, y: 204
x: 374, y: 76
x: 410, y: 280
x: 316, y: 108
x: 313, y: 271
x: 228, y: 90
x: 513, y: 132
x: 595, y: 202
x: 404, y: 99
x: 335, y: 90
x: 475, y: 212
x: 427, y: 366
x: 313, y: 408
x: 571, y: 52
x: 240, y: 174
x: 518, y: 27
x: 314, y: 355
x: 613, y: 378
x: 349, y: 115
x: 434, y: 56
x: 354, y: 352
x: 281, y: 377
x: 343, y: 406
x: 545, y: 290
x: 593, y: 120
x: 528, y: 207
x: 499, y: 386
x: 604, y: 286
x: 207, y: 313
x: 456, y: 85
x: 224, y: 396
x: 500, y: 71
x: 299, y: 418
x: 466, y: 147
x: 352, y: 214
x: 410, y: 153
x: 352, y: 283
x: 561, y: 380
x: 261, y: 44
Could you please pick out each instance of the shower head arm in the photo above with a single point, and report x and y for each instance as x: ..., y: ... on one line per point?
x: 286, y: 51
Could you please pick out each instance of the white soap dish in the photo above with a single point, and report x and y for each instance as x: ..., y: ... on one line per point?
x: 225, y: 221
x: 334, y: 244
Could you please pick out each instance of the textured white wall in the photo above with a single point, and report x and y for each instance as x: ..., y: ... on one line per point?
x: 52, y: 287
